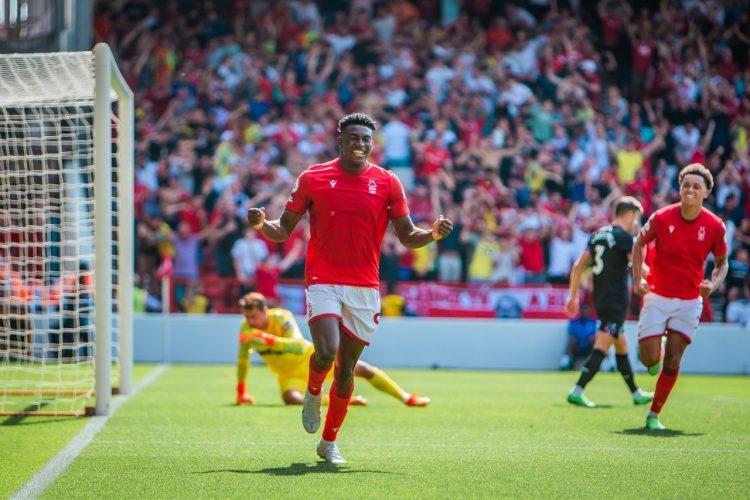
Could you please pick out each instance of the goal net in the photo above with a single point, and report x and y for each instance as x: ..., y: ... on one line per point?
x: 66, y: 152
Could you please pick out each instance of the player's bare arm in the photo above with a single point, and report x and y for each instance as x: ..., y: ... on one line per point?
x: 413, y: 237
x: 640, y: 287
x: 571, y: 307
x: 277, y: 230
x: 717, y: 276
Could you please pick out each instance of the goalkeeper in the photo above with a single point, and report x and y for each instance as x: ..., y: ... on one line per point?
x: 274, y: 334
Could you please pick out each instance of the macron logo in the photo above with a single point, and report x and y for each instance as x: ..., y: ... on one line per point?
x: 671, y: 229
x: 332, y: 182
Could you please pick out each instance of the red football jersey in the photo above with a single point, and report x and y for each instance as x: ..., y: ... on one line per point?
x: 348, y: 218
x: 681, y: 248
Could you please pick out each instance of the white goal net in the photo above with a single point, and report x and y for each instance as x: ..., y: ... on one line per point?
x: 65, y: 213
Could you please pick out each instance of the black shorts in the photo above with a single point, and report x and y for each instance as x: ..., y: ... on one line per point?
x: 611, y: 322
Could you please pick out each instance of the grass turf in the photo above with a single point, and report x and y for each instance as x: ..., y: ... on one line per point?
x: 486, y: 434
x: 28, y: 443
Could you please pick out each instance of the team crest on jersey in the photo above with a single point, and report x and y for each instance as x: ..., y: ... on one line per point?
x: 702, y: 233
x: 332, y: 182
x: 372, y: 187
x: 671, y: 229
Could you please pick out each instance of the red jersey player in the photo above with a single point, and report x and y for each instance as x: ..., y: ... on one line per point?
x: 350, y: 201
x: 683, y: 235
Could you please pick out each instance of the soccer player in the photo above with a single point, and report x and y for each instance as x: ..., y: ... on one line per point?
x: 609, y: 254
x: 684, y: 234
x: 274, y: 334
x: 350, y: 201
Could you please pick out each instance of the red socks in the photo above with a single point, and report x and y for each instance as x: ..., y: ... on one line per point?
x: 240, y: 388
x: 665, y: 383
x: 337, y: 408
x: 316, y: 377
x: 339, y: 399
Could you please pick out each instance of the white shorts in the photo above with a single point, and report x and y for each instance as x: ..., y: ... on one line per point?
x: 664, y: 313
x: 356, y: 307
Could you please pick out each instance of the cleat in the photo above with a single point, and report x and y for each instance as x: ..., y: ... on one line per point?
x: 643, y: 398
x: 357, y: 401
x: 311, y: 412
x: 654, y: 370
x: 580, y: 401
x: 329, y: 451
x: 245, y: 399
x: 653, y: 424
x: 417, y: 400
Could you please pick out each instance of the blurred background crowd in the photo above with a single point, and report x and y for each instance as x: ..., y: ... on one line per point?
x: 520, y: 121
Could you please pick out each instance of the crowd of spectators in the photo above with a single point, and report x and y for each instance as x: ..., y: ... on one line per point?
x: 520, y: 121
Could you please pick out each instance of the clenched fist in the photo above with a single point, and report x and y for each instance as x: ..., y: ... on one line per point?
x: 256, y: 217
x: 441, y: 228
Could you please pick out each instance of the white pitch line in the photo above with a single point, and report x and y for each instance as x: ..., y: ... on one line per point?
x: 725, y: 399
x: 708, y: 451
x: 50, y: 472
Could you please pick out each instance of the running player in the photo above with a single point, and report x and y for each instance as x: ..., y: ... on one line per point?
x: 274, y: 334
x: 609, y: 249
x: 684, y: 234
x: 350, y: 201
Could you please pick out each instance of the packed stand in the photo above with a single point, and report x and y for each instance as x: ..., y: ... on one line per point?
x: 520, y: 122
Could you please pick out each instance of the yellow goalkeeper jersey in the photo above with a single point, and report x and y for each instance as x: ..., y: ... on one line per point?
x: 281, y: 324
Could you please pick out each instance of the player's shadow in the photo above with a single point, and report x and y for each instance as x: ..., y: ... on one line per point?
x: 257, y: 405
x: 299, y: 469
x: 666, y: 433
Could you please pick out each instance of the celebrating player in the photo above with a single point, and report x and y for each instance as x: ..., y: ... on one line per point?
x: 274, y: 334
x: 609, y: 249
x: 350, y: 201
x: 684, y: 234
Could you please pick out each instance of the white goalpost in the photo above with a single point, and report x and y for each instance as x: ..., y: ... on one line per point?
x: 66, y: 233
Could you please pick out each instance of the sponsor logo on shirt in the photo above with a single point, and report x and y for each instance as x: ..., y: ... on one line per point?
x: 702, y: 233
x: 332, y: 182
x: 372, y: 187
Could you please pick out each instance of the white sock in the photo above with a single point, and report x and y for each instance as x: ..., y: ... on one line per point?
x: 577, y: 390
x: 406, y: 397
x: 652, y: 414
x: 637, y: 393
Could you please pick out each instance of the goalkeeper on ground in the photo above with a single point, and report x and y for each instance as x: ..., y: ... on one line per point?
x: 274, y: 334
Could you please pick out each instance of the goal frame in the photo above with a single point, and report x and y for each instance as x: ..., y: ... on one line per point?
x: 110, y: 86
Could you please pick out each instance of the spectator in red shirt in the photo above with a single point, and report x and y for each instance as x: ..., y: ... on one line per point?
x: 532, y: 257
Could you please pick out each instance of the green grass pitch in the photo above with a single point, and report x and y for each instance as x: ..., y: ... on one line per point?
x: 487, y: 434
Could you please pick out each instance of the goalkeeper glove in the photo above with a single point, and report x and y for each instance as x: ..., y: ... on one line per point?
x: 243, y: 398
x: 262, y: 340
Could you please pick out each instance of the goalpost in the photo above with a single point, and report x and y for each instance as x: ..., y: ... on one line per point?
x: 66, y: 232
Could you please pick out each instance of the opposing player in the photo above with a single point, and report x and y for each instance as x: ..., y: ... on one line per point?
x: 350, y: 201
x: 684, y: 234
x: 274, y: 334
x: 609, y: 254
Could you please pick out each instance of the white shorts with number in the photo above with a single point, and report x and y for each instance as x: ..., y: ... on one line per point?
x: 356, y: 307
x: 664, y: 313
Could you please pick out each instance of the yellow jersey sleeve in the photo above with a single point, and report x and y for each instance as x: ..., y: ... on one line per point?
x: 282, y: 324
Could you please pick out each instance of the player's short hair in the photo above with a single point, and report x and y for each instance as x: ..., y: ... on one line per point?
x: 357, y: 119
x: 700, y: 170
x: 253, y: 301
x: 627, y: 204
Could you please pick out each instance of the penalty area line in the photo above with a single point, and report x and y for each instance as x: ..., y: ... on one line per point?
x: 50, y: 472
x: 725, y: 399
x: 707, y: 451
